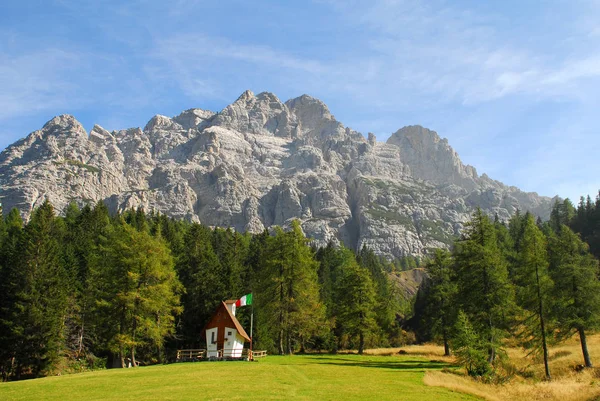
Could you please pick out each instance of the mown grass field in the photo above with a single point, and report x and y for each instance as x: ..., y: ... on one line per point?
x: 299, y: 377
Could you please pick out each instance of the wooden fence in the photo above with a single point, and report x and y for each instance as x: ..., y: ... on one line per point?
x: 190, y: 355
x: 193, y: 355
x: 258, y: 354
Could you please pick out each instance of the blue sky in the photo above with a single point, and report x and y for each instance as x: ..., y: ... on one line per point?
x: 513, y: 85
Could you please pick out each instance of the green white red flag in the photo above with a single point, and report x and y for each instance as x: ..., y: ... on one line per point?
x: 243, y: 301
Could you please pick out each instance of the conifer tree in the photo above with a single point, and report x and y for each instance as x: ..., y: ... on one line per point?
x: 40, y: 304
x: 386, y: 294
x: 90, y: 228
x: 440, y: 293
x: 287, y: 294
x: 356, y: 301
x: 201, y: 274
x: 471, y: 351
x: 137, y: 291
x: 487, y: 296
x: 10, y: 284
x: 576, y: 287
x: 534, y: 289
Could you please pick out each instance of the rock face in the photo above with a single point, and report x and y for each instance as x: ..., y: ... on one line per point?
x: 261, y: 162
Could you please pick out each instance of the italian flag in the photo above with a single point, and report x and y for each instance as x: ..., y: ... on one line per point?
x: 245, y: 300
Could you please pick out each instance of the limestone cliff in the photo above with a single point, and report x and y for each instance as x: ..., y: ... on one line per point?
x: 262, y: 162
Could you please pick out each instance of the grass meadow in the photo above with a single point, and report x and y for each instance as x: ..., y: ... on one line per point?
x: 299, y: 377
x: 419, y: 373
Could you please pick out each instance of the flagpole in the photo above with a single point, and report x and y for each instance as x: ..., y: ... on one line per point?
x: 251, y: 327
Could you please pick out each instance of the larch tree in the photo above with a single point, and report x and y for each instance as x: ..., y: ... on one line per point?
x: 576, y: 287
x: 534, y: 289
x: 137, y: 290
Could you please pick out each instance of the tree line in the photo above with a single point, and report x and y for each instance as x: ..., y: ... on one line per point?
x: 527, y: 281
x: 91, y: 290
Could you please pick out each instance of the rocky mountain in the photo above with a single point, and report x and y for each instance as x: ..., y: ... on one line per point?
x: 261, y: 162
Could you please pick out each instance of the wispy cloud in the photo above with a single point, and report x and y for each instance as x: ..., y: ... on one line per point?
x: 190, y: 60
x: 485, y: 74
x: 198, y: 47
x: 434, y: 48
x: 36, y: 81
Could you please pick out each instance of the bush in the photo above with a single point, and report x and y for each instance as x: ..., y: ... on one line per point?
x: 400, y: 338
x: 469, y: 349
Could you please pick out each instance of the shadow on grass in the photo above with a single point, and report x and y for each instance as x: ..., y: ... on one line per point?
x: 408, y: 364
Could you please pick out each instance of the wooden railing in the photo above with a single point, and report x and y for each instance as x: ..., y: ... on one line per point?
x: 187, y: 355
x: 190, y: 355
x: 258, y: 354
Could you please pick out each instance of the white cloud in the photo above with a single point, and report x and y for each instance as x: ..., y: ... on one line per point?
x: 36, y: 81
x: 194, y: 47
x: 436, y: 49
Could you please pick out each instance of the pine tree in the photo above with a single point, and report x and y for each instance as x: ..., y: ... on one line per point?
x: 40, y: 304
x: 387, y: 298
x: 200, y: 272
x: 91, y: 226
x: 534, y: 289
x: 137, y: 291
x: 331, y: 260
x: 469, y: 348
x: 287, y: 296
x: 356, y: 301
x: 562, y: 213
x: 440, y: 292
x: 576, y: 287
x: 486, y: 295
x: 11, y: 282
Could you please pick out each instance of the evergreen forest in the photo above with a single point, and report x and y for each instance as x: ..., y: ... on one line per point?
x: 88, y: 290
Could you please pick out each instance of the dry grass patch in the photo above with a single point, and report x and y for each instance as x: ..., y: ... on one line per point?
x: 431, y: 351
x: 579, y: 387
x: 568, y: 384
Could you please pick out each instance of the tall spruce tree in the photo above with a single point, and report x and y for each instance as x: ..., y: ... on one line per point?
x: 440, y: 291
x: 287, y: 295
x: 10, y: 284
x: 90, y: 228
x: 356, y: 301
x: 201, y: 273
x: 386, y: 294
x: 40, y: 306
x: 487, y: 296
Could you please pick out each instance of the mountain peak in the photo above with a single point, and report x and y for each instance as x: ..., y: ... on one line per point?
x: 160, y: 121
x: 416, y: 134
x: 310, y: 111
x: 64, y: 124
x: 246, y: 96
x: 431, y: 158
x: 260, y: 163
x: 192, y: 118
x: 63, y: 120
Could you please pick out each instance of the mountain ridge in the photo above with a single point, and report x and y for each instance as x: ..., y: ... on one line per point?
x: 261, y: 162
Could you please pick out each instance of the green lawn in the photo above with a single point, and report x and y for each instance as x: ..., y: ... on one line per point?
x: 311, y: 377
